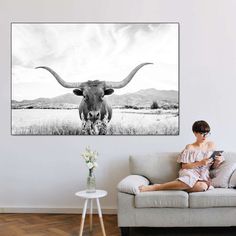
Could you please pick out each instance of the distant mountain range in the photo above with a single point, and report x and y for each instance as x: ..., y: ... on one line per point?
x: 142, y: 98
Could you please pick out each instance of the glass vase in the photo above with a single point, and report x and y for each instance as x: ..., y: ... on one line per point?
x: 91, y: 182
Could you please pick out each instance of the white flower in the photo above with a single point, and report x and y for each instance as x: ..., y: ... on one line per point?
x: 90, y: 158
x: 95, y: 164
x: 85, y: 156
x: 90, y: 165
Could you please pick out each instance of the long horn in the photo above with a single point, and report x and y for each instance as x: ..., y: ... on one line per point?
x: 124, y: 82
x: 59, y: 79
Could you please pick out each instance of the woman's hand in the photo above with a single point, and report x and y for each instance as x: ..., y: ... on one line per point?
x: 206, y: 161
x: 217, y: 162
x: 219, y: 159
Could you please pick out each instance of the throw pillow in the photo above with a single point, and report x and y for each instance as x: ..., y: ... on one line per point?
x: 222, y: 174
x: 131, y: 183
x: 232, y: 182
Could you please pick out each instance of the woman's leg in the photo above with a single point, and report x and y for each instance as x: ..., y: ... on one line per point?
x: 200, y: 186
x: 173, y: 185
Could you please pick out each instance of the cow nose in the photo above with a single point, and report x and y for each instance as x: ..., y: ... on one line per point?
x: 94, y: 115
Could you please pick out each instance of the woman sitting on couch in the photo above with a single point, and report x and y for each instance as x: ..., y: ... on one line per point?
x: 195, y: 162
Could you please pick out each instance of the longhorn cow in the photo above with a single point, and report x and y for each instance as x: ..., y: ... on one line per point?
x: 93, y: 108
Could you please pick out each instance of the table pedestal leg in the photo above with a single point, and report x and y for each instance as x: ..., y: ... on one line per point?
x: 83, y: 218
x: 100, y: 217
x: 91, y: 215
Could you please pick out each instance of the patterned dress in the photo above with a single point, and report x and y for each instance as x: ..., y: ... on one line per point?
x: 191, y: 176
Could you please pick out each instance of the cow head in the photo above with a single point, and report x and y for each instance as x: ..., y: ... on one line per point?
x: 92, y: 106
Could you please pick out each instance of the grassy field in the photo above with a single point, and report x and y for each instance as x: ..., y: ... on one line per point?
x: 67, y: 122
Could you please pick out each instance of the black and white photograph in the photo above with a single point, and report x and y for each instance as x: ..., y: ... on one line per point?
x: 95, y: 79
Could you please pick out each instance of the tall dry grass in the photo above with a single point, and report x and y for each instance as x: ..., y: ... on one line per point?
x: 60, y: 122
x: 114, y: 129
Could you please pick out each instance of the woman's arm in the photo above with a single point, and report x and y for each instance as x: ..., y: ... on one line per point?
x: 192, y: 165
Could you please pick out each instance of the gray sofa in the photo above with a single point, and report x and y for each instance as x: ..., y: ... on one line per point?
x: 171, y: 208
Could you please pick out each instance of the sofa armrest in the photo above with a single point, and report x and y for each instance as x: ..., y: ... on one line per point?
x: 131, y: 183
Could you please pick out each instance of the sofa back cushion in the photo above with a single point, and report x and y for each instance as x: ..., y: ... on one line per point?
x: 158, y: 168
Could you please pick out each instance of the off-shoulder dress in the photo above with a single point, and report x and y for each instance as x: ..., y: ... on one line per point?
x: 191, y: 176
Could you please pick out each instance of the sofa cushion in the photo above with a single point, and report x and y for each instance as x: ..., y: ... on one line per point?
x: 217, y: 197
x: 232, y: 182
x: 158, y: 168
x: 230, y: 156
x: 167, y: 198
x: 221, y: 175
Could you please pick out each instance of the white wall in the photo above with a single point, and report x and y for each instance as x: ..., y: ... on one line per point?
x: 40, y: 172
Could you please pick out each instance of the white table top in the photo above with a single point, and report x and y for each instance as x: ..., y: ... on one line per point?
x: 97, y: 194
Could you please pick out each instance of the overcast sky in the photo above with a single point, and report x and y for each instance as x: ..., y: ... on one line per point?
x: 81, y: 52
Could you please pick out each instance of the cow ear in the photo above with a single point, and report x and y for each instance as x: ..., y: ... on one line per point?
x: 108, y: 91
x: 78, y: 92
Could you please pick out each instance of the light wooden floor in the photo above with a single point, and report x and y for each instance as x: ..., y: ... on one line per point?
x: 53, y: 225
x: 68, y: 225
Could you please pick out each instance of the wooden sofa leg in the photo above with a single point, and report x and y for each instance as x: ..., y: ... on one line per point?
x: 124, y: 231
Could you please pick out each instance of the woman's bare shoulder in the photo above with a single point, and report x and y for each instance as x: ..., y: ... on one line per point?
x: 211, y: 145
x: 189, y: 147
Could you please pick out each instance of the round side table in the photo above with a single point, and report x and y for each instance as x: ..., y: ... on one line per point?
x: 89, y: 197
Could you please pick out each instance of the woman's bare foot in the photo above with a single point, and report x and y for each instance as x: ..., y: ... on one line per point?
x: 144, y: 188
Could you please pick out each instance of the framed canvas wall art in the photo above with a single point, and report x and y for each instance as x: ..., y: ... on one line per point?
x: 95, y: 78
